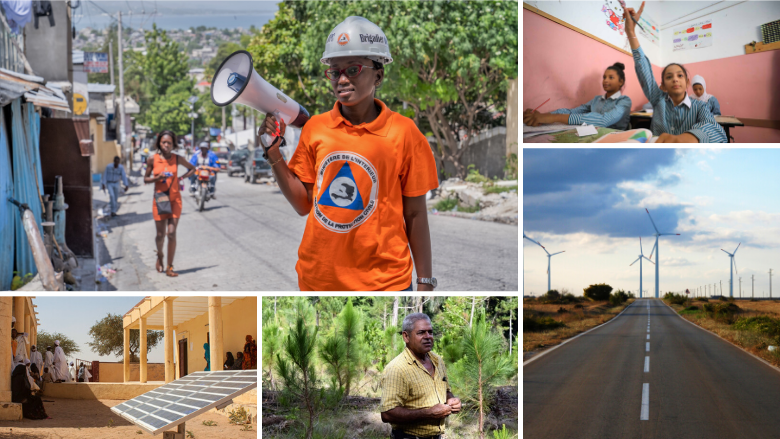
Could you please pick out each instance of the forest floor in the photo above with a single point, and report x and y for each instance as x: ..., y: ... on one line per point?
x: 574, y: 320
x: 357, y: 418
x: 750, y: 339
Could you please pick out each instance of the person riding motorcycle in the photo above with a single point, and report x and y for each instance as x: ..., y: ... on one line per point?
x: 208, y: 159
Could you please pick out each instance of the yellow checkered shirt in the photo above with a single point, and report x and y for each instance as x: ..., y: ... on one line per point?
x: 406, y: 383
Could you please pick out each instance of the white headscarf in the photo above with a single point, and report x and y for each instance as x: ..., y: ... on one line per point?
x: 56, y: 342
x: 704, y: 97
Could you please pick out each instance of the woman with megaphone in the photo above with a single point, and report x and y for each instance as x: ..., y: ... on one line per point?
x: 361, y: 172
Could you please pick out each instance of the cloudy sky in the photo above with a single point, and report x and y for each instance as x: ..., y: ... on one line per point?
x: 591, y: 203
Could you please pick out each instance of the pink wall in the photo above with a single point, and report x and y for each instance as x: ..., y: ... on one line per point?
x: 566, y: 66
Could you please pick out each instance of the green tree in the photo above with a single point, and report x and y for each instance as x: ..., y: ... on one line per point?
x: 171, y: 111
x: 597, y: 292
x: 295, y: 366
x: 108, y: 338
x: 485, y: 362
x: 46, y: 339
x: 272, y: 341
x: 343, y: 351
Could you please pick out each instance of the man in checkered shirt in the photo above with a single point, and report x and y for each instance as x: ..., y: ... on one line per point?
x: 416, y: 396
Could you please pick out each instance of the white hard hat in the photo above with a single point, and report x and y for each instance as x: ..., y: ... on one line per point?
x: 356, y: 36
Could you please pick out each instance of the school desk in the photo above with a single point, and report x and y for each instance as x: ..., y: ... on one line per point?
x: 569, y: 136
x: 642, y: 120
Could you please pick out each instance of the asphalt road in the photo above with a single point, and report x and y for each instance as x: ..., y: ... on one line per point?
x: 697, y: 386
x: 247, y: 240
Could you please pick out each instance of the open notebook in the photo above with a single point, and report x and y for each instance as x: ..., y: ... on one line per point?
x: 529, y: 131
x: 640, y: 135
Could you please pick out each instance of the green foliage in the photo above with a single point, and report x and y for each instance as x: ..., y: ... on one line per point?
x: 468, y: 209
x: 108, y: 338
x: 47, y: 339
x: 501, y: 434
x: 343, y: 351
x: 19, y: 282
x: 675, y: 299
x: 597, y: 292
x: 534, y: 323
x: 209, y: 423
x: 722, y: 312
x: 618, y: 297
x: 446, y: 204
x: 238, y: 416
x: 474, y: 176
x: 485, y: 362
x: 500, y: 189
x: 765, y: 325
x: 510, y: 167
x: 272, y: 340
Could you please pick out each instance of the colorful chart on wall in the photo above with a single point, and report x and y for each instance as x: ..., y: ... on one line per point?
x: 692, y: 36
x: 649, y: 30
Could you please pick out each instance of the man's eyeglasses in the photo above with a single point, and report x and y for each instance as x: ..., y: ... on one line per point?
x: 351, y: 71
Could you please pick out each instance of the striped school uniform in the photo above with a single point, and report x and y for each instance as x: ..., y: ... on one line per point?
x: 690, y: 116
x: 714, y: 106
x: 612, y: 112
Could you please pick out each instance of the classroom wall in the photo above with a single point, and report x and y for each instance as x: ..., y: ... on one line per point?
x: 566, y: 66
x: 747, y: 86
x: 732, y: 29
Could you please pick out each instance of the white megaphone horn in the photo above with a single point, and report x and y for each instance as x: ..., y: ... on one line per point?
x: 237, y: 82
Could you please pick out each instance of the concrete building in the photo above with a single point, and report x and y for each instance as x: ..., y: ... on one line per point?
x: 23, y: 310
x: 104, y: 139
x: 188, y: 322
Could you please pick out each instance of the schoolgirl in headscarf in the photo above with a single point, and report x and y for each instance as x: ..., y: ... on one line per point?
x: 700, y: 94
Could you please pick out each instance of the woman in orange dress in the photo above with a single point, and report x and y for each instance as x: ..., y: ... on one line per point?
x: 162, y: 170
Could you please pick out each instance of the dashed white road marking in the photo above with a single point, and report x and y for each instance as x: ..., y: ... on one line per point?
x: 647, y: 347
x: 647, y: 364
x: 645, y: 413
x: 648, y: 336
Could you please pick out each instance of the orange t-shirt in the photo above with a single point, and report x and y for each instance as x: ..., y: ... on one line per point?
x: 355, y: 236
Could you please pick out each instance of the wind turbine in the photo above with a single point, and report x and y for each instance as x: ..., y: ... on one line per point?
x: 549, y: 256
x: 732, y: 268
x: 641, y: 256
x: 655, y: 249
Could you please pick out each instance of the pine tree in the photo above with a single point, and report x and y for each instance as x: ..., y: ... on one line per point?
x: 343, y: 351
x: 297, y: 371
x: 271, y: 347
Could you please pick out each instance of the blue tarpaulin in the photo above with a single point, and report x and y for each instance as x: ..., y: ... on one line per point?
x: 26, y: 163
x: 7, y: 211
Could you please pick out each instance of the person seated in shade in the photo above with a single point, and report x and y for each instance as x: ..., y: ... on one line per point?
x: 239, y: 363
x: 22, y: 392
x: 250, y: 353
x: 228, y: 362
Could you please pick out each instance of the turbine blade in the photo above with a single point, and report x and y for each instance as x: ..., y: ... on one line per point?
x: 557, y: 253
x: 640, y: 246
x: 735, y: 264
x: 649, y: 260
x: 724, y: 251
x: 735, y: 250
x: 651, y: 220
x: 637, y: 259
x: 653, y: 251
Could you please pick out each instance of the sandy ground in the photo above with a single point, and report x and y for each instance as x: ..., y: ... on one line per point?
x: 85, y: 419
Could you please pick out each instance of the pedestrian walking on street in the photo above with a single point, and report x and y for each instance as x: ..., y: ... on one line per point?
x: 360, y: 172
x: 112, y: 176
x: 162, y: 170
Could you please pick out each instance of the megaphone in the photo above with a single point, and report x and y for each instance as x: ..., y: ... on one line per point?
x: 236, y: 81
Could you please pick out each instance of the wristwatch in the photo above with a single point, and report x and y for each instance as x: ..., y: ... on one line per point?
x: 427, y: 280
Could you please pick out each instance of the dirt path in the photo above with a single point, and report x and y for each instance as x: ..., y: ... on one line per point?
x: 79, y: 419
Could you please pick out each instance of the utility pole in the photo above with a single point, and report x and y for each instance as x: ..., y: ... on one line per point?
x: 770, y: 283
x: 111, y: 60
x: 122, y: 134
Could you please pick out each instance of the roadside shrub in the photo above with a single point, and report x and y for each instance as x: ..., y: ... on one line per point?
x: 618, y: 297
x: 534, y: 323
x: 675, y: 299
x: 552, y: 295
x: 579, y: 305
x: 722, y: 312
x: 597, y: 292
x: 703, y: 299
x: 562, y: 310
x: 570, y: 298
x: 691, y: 308
x: 762, y: 324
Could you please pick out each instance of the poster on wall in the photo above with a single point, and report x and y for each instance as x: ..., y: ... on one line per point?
x: 649, y: 30
x: 692, y: 36
x: 613, y: 11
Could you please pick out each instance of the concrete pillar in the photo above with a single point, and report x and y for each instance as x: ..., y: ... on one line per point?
x: 127, y: 356
x: 19, y: 313
x: 142, y: 350
x: 215, y: 331
x: 168, y: 339
x: 5, y: 349
x: 28, y: 330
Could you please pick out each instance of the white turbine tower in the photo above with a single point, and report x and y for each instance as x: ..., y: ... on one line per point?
x: 548, y: 259
x: 641, y: 256
x: 655, y: 249
x: 732, y: 268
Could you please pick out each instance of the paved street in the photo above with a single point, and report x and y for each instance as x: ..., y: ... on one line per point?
x: 663, y: 379
x: 248, y: 239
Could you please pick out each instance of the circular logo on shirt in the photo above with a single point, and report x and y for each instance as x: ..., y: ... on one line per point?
x: 347, y: 191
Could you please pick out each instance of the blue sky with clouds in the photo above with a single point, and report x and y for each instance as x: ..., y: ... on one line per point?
x: 591, y: 203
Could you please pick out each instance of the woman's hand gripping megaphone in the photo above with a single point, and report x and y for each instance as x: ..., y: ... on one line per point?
x: 274, y: 128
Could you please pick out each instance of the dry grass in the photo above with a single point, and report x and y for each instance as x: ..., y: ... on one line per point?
x: 576, y: 321
x: 750, y: 341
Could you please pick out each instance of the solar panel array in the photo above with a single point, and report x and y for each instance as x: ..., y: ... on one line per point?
x: 176, y: 402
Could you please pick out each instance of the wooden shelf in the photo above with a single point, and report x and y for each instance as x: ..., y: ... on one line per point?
x: 761, y: 47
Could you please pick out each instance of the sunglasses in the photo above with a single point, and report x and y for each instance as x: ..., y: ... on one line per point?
x: 351, y: 72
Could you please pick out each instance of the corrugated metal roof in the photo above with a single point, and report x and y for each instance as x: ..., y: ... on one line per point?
x: 13, y: 85
x: 100, y: 88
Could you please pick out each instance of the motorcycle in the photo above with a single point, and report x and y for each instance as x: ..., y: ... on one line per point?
x: 202, y: 193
